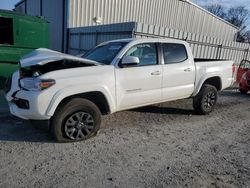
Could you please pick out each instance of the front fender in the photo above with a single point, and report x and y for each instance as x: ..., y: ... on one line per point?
x: 70, y: 91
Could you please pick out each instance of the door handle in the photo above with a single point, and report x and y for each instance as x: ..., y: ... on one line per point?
x: 188, y: 70
x: 156, y: 73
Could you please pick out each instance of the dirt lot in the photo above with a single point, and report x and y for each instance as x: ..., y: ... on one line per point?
x: 158, y: 146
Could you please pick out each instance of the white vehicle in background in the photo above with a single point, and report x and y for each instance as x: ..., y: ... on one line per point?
x: 73, y: 92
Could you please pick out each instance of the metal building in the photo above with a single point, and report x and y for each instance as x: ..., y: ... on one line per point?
x: 82, y: 39
x: 175, y: 14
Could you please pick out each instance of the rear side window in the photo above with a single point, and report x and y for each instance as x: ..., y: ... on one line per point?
x: 174, y: 53
x: 6, y: 31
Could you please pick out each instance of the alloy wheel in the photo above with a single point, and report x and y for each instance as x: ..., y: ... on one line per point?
x: 209, y: 100
x: 79, y: 125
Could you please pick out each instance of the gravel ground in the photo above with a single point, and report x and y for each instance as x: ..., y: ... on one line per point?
x: 158, y: 146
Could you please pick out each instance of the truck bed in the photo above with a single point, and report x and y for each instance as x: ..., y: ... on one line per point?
x: 209, y: 67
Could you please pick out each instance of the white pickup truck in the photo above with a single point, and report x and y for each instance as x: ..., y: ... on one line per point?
x: 73, y: 92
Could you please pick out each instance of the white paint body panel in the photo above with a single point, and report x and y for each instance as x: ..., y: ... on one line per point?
x: 176, y: 82
x: 221, y: 69
x: 136, y: 86
x: 123, y: 88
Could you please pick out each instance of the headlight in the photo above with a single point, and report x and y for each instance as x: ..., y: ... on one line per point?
x: 36, y: 84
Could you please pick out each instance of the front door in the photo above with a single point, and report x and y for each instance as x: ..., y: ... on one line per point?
x: 141, y: 84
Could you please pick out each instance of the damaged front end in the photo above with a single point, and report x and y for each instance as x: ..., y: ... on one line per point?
x: 42, y: 61
x: 27, y: 93
x: 37, y: 63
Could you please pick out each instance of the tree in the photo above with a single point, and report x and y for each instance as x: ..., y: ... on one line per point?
x: 237, y: 16
x: 247, y: 36
x: 217, y: 10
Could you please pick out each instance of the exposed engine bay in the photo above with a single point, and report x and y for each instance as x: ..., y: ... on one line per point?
x: 38, y: 70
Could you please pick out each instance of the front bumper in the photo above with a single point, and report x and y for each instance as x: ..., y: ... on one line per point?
x: 38, y: 102
x: 34, y: 112
x: 21, y: 113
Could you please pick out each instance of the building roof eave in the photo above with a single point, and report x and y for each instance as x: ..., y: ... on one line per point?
x: 19, y: 2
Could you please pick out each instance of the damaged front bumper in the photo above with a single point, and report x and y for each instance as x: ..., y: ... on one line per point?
x: 25, y: 104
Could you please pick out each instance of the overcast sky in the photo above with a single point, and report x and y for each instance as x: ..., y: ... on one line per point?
x: 226, y: 3
x: 8, y: 4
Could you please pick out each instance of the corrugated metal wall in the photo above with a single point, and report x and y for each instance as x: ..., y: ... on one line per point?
x: 54, y: 13
x: 202, y: 46
x: 33, y: 7
x: 175, y: 14
x: 85, y: 38
x: 82, y: 39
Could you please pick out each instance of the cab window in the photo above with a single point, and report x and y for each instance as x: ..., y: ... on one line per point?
x: 105, y: 53
x: 174, y: 53
x: 6, y: 31
x: 146, y: 53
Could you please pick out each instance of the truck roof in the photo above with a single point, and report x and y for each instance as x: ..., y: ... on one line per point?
x: 169, y: 40
x: 13, y: 14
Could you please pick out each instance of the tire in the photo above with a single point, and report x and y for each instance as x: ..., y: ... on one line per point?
x: 76, y: 120
x: 204, y: 102
x: 243, y: 91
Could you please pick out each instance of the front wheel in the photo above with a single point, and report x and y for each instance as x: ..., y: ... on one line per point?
x: 206, y: 99
x: 76, y: 120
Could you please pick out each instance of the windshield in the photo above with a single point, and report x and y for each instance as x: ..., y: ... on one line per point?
x: 105, y: 53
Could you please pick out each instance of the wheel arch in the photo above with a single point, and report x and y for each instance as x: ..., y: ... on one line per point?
x: 97, y: 97
x: 213, y: 81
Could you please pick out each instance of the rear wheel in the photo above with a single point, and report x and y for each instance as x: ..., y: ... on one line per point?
x: 76, y: 120
x: 206, y: 99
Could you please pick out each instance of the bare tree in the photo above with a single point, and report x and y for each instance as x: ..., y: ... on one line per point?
x: 217, y: 10
x: 246, y: 36
x: 237, y: 16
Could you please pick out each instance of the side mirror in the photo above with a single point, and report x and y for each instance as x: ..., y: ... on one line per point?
x: 130, y: 60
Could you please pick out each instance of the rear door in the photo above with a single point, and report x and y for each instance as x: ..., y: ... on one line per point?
x: 141, y: 84
x: 178, y: 72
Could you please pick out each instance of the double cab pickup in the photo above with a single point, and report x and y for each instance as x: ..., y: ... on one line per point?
x: 72, y: 92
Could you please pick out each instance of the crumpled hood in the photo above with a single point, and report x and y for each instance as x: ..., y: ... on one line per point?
x: 43, y: 56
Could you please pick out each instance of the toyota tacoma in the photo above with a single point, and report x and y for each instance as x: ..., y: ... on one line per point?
x: 72, y: 93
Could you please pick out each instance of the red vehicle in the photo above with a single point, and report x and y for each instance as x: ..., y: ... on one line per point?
x: 243, y: 76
